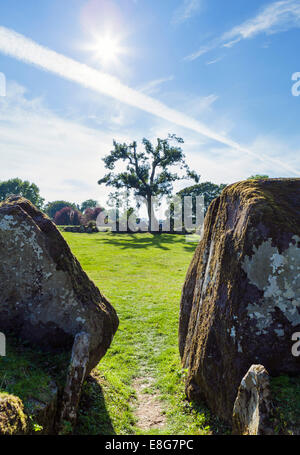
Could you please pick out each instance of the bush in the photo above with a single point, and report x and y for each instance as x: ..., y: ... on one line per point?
x: 91, y: 214
x: 68, y: 216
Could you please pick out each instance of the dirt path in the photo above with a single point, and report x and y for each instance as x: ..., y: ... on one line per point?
x: 149, y: 410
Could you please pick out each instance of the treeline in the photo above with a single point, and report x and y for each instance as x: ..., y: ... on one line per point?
x: 61, y: 212
x: 66, y: 213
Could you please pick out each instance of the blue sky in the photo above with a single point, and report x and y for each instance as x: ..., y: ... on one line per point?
x: 216, y: 73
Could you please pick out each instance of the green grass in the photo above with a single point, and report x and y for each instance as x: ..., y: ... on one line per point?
x: 142, y: 276
x: 27, y: 373
x: 286, y: 396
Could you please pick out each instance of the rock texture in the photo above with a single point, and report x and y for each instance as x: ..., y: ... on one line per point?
x: 241, y: 299
x: 45, y: 296
x: 253, y: 406
x: 75, y: 378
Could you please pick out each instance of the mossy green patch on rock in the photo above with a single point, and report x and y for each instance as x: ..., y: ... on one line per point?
x: 12, y: 417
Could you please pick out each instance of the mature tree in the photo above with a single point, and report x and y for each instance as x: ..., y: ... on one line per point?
x: 89, y: 204
x: 51, y: 208
x: 24, y: 188
x: 149, y: 172
x: 67, y: 216
x: 258, y: 177
x: 208, y: 190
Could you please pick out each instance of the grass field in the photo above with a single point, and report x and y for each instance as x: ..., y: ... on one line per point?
x: 142, y: 276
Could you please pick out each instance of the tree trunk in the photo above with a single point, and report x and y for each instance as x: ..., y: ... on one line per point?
x: 151, y: 215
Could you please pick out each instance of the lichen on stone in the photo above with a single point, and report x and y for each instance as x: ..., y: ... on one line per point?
x: 274, y: 274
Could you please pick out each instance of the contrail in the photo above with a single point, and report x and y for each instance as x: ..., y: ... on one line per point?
x: 26, y: 50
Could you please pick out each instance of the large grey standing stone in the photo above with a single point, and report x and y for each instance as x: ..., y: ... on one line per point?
x: 241, y: 299
x: 45, y: 296
x: 253, y: 406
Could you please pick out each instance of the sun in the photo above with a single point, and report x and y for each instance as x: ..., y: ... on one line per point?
x: 107, y: 49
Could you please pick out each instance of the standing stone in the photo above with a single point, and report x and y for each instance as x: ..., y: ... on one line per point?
x: 253, y: 405
x: 241, y: 299
x: 75, y: 378
x: 45, y: 296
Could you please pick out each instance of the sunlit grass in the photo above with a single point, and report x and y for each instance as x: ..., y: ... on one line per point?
x: 142, y: 276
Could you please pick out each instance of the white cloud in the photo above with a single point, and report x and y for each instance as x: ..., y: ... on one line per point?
x: 203, y: 50
x: 63, y: 157
x: 224, y: 165
x: 152, y: 87
x: 186, y: 10
x: 24, y: 49
x: 276, y: 17
x: 199, y: 106
x: 216, y: 60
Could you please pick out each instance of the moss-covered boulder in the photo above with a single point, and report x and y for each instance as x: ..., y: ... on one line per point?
x: 241, y: 298
x: 12, y: 417
x: 45, y: 296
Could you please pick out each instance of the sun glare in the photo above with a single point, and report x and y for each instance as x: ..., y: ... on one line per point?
x: 107, y: 49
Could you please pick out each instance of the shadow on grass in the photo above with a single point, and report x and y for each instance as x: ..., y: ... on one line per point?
x: 136, y: 241
x: 93, y: 417
x: 216, y: 425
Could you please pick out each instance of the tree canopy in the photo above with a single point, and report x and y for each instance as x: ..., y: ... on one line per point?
x: 88, y: 204
x: 208, y: 190
x: 21, y: 188
x: 258, y: 177
x: 51, y: 208
x: 149, y: 172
